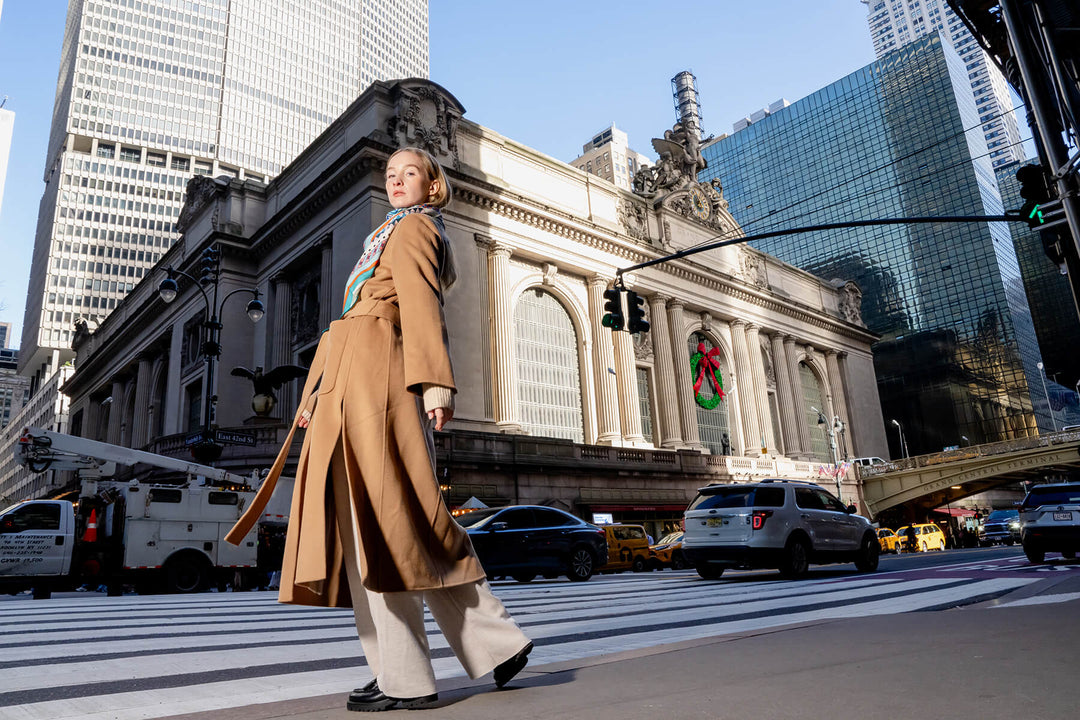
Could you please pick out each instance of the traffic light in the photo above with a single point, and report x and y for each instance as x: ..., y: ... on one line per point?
x: 208, y: 265
x: 635, y: 312
x: 613, y: 317
x: 1036, y: 189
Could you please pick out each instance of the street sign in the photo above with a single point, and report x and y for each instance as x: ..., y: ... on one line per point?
x: 233, y: 437
x: 195, y: 438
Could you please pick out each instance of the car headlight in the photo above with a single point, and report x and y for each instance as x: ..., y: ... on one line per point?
x: 1015, y: 525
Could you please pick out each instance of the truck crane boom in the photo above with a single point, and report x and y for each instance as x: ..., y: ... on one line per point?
x: 42, y: 450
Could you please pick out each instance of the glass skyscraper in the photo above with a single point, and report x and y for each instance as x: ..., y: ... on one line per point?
x: 956, y: 362
x: 895, y: 23
x: 151, y: 92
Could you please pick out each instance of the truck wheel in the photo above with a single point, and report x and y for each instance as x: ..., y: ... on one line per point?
x: 42, y: 592
x: 1034, y: 553
x: 185, y: 574
x: 796, y: 559
x: 638, y: 565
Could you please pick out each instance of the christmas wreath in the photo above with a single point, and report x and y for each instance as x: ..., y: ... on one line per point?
x: 706, y: 365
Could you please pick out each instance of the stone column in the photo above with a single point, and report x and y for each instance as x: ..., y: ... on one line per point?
x: 329, y: 304
x: 280, y: 339
x: 502, y: 333
x: 785, y: 397
x: 838, y: 397
x: 140, y: 424
x: 626, y: 379
x: 800, y: 401
x: 684, y: 384
x: 603, y: 360
x: 116, y: 413
x: 667, y: 399
x: 751, y: 430
x: 761, y: 389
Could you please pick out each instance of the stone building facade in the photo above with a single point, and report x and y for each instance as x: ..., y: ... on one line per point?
x: 552, y: 407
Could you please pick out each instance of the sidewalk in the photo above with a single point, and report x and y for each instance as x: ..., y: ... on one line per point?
x: 981, y: 661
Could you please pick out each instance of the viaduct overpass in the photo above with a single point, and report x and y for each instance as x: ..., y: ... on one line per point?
x: 926, y: 482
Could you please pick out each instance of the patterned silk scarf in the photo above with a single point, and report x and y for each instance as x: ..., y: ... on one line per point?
x: 373, y: 249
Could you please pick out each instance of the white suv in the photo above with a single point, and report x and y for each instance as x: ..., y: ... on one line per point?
x: 782, y: 524
x: 1050, y: 521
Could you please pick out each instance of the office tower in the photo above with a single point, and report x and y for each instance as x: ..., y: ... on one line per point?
x: 1052, y: 309
x: 151, y: 92
x: 900, y: 138
x: 894, y: 23
x: 608, y: 155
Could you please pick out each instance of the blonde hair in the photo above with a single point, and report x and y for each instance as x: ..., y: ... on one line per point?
x: 441, y: 197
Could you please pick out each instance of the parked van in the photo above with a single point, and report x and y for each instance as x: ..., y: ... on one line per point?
x: 868, y: 461
x: 628, y: 548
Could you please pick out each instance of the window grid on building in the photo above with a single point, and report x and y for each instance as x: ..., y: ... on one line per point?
x: 712, y: 424
x: 548, y: 369
x: 645, y: 403
x: 813, y: 398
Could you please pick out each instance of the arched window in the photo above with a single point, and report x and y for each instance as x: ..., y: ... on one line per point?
x: 814, y: 398
x: 548, y: 374
x: 712, y: 424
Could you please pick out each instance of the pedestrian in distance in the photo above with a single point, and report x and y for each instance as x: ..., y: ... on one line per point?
x: 368, y: 527
x: 912, y: 538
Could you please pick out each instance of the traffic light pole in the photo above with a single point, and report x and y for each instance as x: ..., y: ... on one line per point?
x: 1051, y: 143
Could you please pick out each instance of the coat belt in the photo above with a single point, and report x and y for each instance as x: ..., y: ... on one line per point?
x: 377, y: 308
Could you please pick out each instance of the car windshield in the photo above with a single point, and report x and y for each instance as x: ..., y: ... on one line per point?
x: 477, y: 517
x: 670, y: 538
x: 884, y: 532
x: 999, y: 515
x: 1069, y: 495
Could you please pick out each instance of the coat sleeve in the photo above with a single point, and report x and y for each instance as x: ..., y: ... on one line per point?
x: 413, y: 253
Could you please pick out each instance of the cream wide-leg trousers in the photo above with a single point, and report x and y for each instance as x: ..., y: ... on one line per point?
x: 391, y: 625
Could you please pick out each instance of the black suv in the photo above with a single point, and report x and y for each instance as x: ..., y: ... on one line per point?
x: 524, y: 541
x: 1050, y: 521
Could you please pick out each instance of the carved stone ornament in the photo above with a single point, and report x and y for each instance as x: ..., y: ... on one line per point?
x: 200, y: 191
x: 752, y: 268
x: 643, y: 344
x: 634, y: 218
x: 701, y: 202
x: 426, y: 116
x: 680, y: 162
x: 850, y: 302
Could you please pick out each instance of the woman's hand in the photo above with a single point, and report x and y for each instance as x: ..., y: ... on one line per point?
x: 441, y: 416
x: 305, y: 418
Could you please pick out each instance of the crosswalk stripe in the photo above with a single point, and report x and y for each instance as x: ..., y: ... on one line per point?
x: 199, y: 653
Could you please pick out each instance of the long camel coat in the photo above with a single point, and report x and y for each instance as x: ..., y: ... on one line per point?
x: 363, y: 392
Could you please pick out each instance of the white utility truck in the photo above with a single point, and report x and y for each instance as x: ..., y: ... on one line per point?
x: 154, y: 536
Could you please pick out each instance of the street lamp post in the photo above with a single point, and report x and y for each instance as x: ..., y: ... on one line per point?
x: 830, y: 430
x: 1046, y: 394
x: 903, y: 442
x: 207, y: 449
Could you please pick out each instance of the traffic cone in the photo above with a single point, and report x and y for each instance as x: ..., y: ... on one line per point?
x: 90, y: 535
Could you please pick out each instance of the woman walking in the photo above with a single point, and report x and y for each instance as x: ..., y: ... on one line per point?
x: 368, y: 526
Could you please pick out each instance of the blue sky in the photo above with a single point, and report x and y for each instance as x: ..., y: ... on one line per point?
x: 545, y: 74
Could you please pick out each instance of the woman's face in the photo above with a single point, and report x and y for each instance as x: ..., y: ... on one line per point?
x: 407, y: 182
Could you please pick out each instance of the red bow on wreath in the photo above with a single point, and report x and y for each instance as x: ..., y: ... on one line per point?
x: 706, y: 364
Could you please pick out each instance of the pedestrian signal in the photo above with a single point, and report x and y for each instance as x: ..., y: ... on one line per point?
x: 635, y: 313
x: 1037, y: 190
x: 613, y: 317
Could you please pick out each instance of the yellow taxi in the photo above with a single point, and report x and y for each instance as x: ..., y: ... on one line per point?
x: 928, y: 536
x: 667, y: 553
x: 890, y: 542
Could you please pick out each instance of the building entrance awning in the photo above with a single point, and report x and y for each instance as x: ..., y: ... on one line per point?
x: 956, y: 512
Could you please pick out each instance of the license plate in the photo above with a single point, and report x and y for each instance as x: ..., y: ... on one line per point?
x: 1063, y: 516
x: 714, y: 522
